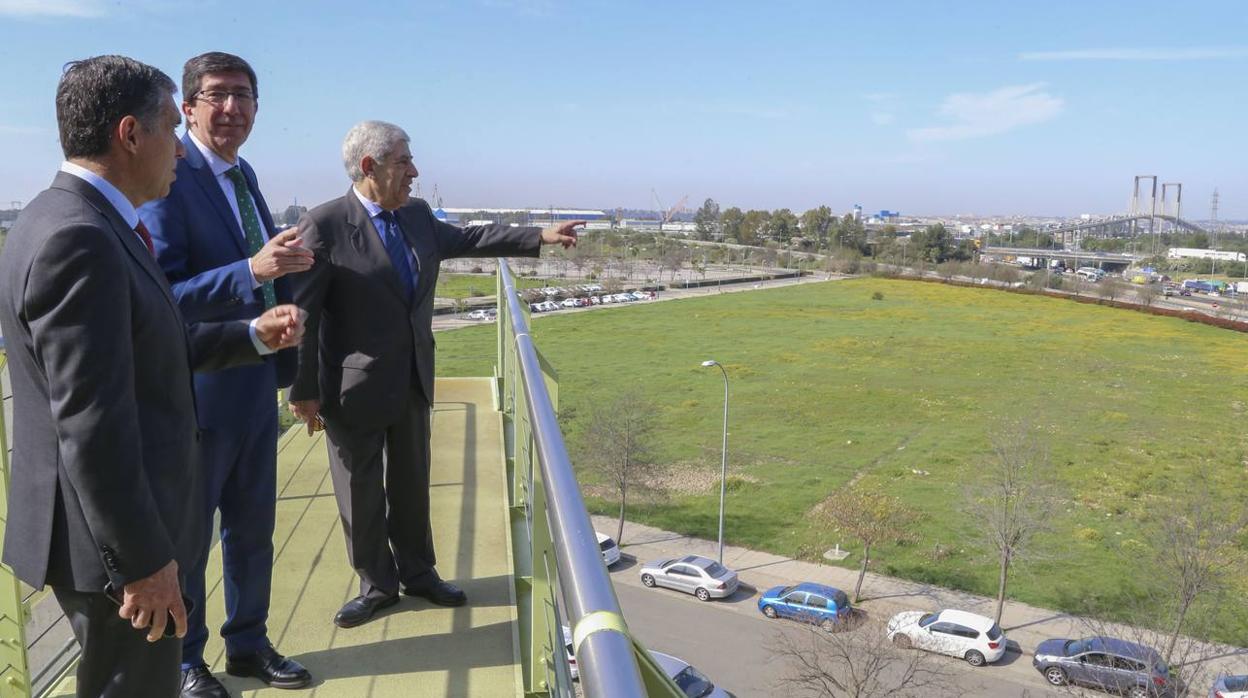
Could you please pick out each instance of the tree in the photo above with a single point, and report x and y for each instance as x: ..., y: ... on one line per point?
x: 706, y: 220
x: 292, y: 214
x: 674, y: 257
x: 1197, y: 553
x: 851, y: 234
x: 933, y: 244
x: 616, y: 443
x: 871, y: 517
x: 816, y: 224
x: 782, y: 226
x: 858, y: 664
x: 752, y: 226
x: 1014, y: 502
x: 730, y: 222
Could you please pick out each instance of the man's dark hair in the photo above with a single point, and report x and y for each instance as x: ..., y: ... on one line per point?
x: 96, y: 93
x: 213, y: 62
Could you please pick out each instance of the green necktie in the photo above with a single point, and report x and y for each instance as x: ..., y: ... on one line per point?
x: 251, y: 226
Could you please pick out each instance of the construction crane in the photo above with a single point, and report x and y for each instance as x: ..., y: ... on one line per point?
x: 666, y: 215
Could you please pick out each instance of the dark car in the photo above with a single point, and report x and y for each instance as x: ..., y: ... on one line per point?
x: 1107, y: 663
x: 809, y: 602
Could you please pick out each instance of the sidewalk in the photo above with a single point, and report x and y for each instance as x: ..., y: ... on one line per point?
x: 1025, y: 626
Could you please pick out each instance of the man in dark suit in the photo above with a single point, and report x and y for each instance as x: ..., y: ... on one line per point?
x: 104, y: 459
x: 366, y: 361
x: 217, y: 244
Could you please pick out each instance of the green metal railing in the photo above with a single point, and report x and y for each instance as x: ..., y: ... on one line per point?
x: 14, y: 670
x: 560, y: 574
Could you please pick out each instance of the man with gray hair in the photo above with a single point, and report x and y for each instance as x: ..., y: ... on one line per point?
x: 366, y: 361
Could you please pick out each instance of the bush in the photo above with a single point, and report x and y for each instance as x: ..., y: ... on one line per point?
x: 1089, y: 535
x: 877, y: 296
x: 478, y: 270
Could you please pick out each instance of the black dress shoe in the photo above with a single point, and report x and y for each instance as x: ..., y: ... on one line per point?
x: 361, y: 609
x: 270, y: 667
x: 440, y: 592
x: 198, y: 682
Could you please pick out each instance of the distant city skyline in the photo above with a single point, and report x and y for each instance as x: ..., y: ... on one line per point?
x: 972, y: 108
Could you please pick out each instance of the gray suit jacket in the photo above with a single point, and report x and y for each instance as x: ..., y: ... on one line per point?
x: 363, y: 341
x: 104, y: 459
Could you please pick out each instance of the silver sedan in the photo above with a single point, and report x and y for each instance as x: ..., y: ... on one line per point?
x: 692, y: 574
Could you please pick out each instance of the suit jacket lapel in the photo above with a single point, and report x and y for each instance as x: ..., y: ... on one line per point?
x: 364, y: 239
x: 202, y: 174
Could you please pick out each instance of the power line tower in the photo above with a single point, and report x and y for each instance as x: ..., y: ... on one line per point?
x: 1213, y: 218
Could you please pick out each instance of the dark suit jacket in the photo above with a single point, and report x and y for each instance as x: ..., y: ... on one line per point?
x: 103, y: 466
x: 363, y: 341
x: 203, y: 252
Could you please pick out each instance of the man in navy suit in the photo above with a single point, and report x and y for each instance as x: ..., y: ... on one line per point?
x: 216, y: 242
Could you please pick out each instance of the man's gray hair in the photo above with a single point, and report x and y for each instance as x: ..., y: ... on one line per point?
x: 375, y: 139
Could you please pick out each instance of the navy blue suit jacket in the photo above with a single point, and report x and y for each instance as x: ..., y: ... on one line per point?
x: 202, y: 250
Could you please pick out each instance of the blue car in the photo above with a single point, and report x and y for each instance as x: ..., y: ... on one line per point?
x: 807, y: 602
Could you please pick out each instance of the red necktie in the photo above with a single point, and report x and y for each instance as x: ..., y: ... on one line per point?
x: 147, y: 237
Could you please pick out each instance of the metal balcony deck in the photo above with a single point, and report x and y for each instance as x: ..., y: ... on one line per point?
x: 415, y: 649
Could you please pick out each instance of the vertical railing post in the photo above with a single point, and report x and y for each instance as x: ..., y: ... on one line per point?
x: 14, y: 669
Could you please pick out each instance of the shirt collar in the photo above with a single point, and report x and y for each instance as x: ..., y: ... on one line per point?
x: 216, y: 163
x: 105, y: 187
x: 374, y: 209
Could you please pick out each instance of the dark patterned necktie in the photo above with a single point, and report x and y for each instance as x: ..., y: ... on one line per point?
x: 400, y: 256
x: 147, y: 237
x: 251, y: 226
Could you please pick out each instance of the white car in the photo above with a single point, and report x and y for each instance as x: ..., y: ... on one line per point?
x: 959, y: 634
x: 1230, y: 687
x: 610, y: 551
x: 481, y: 315
x: 570, y: 303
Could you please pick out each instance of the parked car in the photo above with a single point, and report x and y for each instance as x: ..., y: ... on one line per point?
x: 692, y: 574
x: 610, y: 551
x: 571, y: 303
x: 1107, y: 663
x: 481, y: 314
x: 692, y: 682
x: 1230, y: 687
x: 808, y: 602
x: 960, y: 634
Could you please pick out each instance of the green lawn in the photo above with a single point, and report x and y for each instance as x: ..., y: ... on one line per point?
x: 828, y: 384
x: 470, y: 285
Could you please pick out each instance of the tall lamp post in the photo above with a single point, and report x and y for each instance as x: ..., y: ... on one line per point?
x: 723, y: 476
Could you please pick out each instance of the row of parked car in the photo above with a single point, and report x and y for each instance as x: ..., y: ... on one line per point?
x: 587, y: 301
x: 1106, y: 663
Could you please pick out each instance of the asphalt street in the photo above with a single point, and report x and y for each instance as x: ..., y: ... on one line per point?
x: 728, y: 641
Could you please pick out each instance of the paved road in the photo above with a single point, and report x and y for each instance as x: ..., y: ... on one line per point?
x: 727, y: 641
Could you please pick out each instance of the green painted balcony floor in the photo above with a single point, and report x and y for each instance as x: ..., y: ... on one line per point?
x: 415, y: 649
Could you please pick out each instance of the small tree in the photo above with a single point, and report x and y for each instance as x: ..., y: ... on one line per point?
x: 1196, y: 553
x: 1014, y: 501
x: 616, y: 443
x: 858, y: 664
x: 871, y: 517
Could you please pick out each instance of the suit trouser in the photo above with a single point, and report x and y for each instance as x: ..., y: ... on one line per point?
x: 117, y: 661
x: 381, y: 482
x: 239, y: 477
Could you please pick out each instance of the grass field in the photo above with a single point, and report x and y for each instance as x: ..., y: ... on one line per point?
x: 829, y: 385
x: 469, y: 285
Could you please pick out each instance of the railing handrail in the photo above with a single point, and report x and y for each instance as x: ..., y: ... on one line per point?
x: 606, y: 661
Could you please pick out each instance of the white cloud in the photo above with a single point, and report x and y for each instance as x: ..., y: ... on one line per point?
x: 1197, y: 53
x: 52, y: 8
x: 977, y: 115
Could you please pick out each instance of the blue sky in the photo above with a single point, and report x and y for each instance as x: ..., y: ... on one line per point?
x: 923, y: 107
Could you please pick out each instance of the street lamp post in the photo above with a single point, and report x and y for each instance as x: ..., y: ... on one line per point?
x: 723, y: 475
